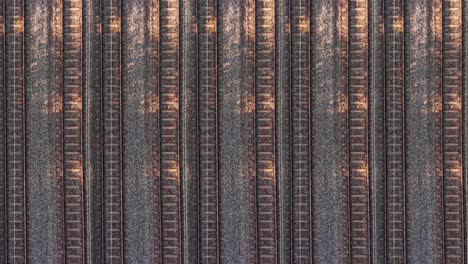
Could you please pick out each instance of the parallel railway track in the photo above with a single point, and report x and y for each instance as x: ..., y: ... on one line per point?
x: 208, y: 132
x: 325, y: 216
x: 169, y: 131
x: 15, y: 129
x: 72, y: 132
x: 265, y: 131
x: 394, y: 134
x: 452, y: 130
x: 112, y: 126
x: 358, y: 131
x: 300, y: 113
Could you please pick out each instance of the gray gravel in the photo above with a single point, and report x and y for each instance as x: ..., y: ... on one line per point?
x: 189, y: 134
x: 91, y: 131
x: 43, y: 126
x: 465, y: 114
x: 329, y: 137
x: 236, y: 128
x: 140, y: 169
x: 376, y: 130
x: 423, y: 132
x: 2, y: 139
x: 283, y: 131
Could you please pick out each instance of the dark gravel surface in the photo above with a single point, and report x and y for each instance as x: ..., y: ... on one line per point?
x: 142, y: 224
x: 376, y: 130
x: 283, y: 131
x: 465, y: 111
x: 91, y: 129
x: 43, y: 136
x: 423, y: 132
x: 189, y: 134
x: 2, y: 138
x: 329, y: 150
x: 236, y: 129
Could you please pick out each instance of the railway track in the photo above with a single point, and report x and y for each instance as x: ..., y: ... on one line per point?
x: 169, y: 133
x: 452, y: 130
x: 300, y: 104
x: 320, y: 137
x: 72, y: 132
x: 15, y: 130
x: 394, y: 134
x: 208, y: 129
x: 265, y: 131
x: 112, y: 129
x: 358, y: 131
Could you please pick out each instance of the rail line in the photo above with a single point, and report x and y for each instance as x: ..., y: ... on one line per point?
x: 340, y: 105
x: 265, y: 130
x: 394, y: 116
x: 15, y: 120
x: 72, y: 131
x: 452, y: 130
x: 300, y: 104
x: 358, y: 132
x: 208, y: 129
x: 169, y: 123
x: 112, y: 141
